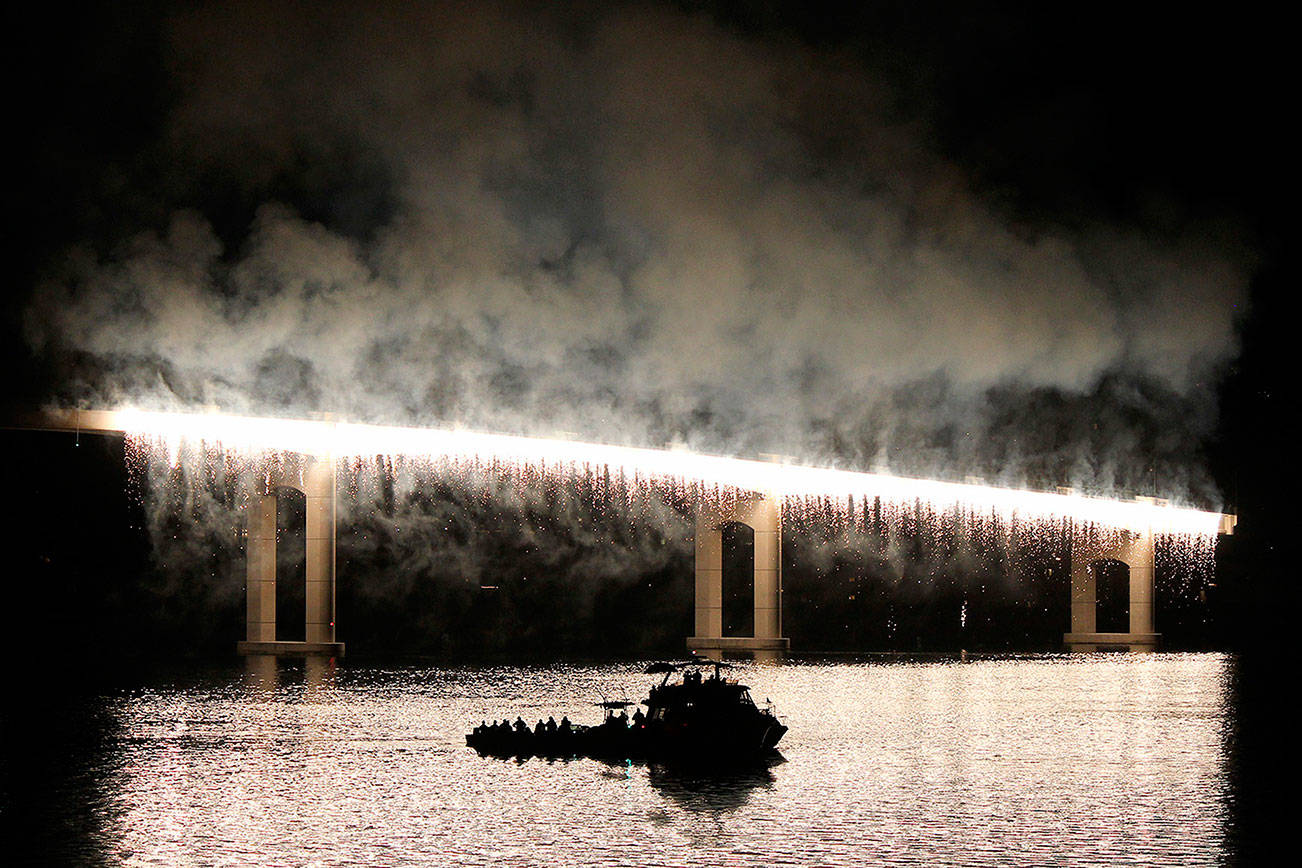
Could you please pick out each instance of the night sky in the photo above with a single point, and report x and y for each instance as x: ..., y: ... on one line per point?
x: 1037, y: 245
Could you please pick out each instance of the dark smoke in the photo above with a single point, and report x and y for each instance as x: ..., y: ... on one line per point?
x: 633, y: 225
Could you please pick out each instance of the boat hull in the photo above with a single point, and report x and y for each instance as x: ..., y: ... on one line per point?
x: 632, y: 742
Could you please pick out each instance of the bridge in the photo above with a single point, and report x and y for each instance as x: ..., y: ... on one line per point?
x: 1106, y: 536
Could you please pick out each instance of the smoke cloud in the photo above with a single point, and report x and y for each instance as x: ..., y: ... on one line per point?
x: 633, y: 225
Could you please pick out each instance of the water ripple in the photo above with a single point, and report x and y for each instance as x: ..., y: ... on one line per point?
x: 1083, y: 760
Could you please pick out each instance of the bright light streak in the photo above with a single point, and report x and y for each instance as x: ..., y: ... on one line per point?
x: 342, y: 440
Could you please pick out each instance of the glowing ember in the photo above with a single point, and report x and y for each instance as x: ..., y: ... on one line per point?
x: 661, y: 468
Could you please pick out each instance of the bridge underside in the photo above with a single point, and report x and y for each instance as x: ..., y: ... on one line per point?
x: 315, y: 476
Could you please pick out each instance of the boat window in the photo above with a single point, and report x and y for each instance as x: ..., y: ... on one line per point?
x: 745, y: 698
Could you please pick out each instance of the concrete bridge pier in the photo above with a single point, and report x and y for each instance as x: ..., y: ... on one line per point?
x: 1089, y: 554
x: 315, y: 477
x: 762, y: 513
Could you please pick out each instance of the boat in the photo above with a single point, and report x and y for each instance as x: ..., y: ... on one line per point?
x: 691, y: 718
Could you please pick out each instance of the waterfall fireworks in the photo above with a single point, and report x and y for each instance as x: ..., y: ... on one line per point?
x: 841, y: 496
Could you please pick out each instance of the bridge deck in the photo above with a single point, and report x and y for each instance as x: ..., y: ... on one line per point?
x: 115, y: 422
x: 89, y: 421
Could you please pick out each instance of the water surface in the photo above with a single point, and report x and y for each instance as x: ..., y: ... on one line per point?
x: 1086, y: 759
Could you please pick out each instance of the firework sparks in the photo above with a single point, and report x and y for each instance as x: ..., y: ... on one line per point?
x: 662, y: 468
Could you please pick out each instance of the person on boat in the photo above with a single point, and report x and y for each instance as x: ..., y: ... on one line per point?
x: 623, y: 719
x: 551, y: 725
x: 565, y: 723
x: 540, y: 728
x: 520, y: 726
x: 638, y: 717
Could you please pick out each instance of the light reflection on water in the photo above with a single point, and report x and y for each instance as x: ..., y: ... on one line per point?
x: 1081, y: 759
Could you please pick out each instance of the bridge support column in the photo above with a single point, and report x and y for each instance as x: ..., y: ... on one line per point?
x: 763, y: 514
x: 315, y: 477
x: 260, y: 568
x: 319, y: 488
x: 1135, y: 550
